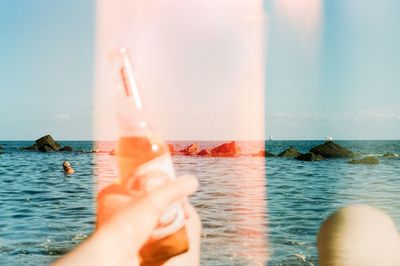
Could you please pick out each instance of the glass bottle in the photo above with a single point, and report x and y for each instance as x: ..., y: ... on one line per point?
x: 144, y: 163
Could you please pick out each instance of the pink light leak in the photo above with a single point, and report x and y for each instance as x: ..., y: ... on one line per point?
x: 195, y: 61
x: 305, y: 16
x: 200, y: 66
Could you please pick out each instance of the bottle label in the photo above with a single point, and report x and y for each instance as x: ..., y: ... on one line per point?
x: 149, y: 176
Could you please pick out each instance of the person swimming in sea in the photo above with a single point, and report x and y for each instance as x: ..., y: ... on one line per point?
x: 68, y: 168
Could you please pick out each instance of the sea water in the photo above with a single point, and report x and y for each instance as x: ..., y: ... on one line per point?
x: 252, y: 209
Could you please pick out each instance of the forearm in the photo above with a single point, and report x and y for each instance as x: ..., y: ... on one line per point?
x: 102, y: 248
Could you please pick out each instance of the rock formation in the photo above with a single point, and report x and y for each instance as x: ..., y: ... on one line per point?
x: 171, y: 148
x: 390, y: 155
x: 290, y: 153
x: 66, y: 148
x: 230, y: 149
x: 310, y: 157
x: 204, y: 152
x: 34, y: 147
x: 332, y: 150
x: 365, y: 160
x: 262, y: 154
x: 192, y: 149
x: 47, y: 144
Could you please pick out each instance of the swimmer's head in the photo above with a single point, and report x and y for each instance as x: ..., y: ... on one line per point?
x: 358, y: 235
x: 67, y: 168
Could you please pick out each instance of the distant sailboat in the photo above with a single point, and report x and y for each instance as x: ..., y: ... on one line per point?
x: 329, y: 138
x: 270, y: 137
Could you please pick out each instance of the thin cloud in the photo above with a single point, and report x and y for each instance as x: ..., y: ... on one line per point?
x: 376, y: 115
x: 62, y: 117
x: 297, y: 116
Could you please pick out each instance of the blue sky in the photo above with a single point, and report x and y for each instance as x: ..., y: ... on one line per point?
x: 336, y: 76
x: 340, y: 78
x: 46, y: 51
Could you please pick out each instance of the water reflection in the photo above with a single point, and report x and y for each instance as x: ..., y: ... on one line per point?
x: 232, y: 205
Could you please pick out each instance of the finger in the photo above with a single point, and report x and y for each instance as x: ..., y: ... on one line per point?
x: 162, y: 197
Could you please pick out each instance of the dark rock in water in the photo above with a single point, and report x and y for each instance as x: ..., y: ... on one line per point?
x: 390, y: 155
x: 171, y: 148
x: 310, y: 157
x: 290, y: 153
x: 204, y: 152
x: 47, y: 144
x: 192, y: 149
x: 112, y: 152
x: 66, y: 148
x: 34, y: 147
x: 262, y: 154
x: 230, y: 149
x: 332, y: 150
x: 46, y: 148
x: 365, y: 160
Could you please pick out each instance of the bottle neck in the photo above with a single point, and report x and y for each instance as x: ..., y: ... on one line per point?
x: 130, y: 113
x: 128, y: 80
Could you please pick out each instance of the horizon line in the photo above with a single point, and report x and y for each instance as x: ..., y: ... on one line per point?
x: 267, y: 140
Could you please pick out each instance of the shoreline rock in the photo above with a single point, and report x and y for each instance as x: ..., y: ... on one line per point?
x: 66, y: 148
x: 290, y: 153
x: 332, y: 150
x: 47, y: 144
x: 370, y: 160
x: 192, y: 149
x: 390, y: 155
x: 204, y: 152
x: 171, y: 148
x: 262, y: 153
x: 34, y: 147
x: 230, y: 149
x: 310, y: 157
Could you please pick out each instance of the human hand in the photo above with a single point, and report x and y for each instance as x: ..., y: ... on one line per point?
x: 118, y: 240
